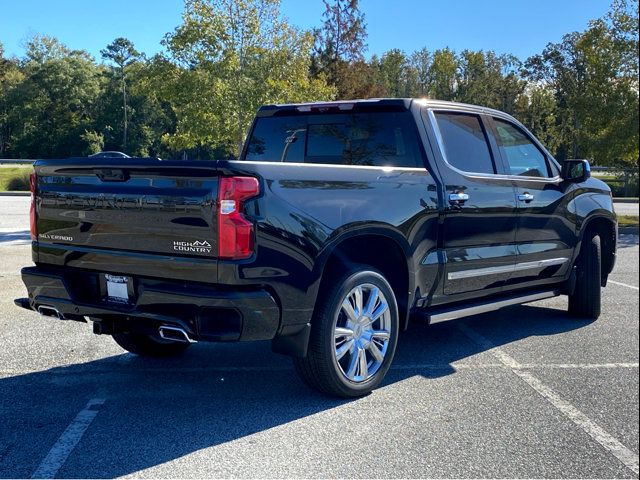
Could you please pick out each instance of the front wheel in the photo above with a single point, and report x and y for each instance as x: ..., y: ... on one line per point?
x: 354, y: 333
x: 586, y: 299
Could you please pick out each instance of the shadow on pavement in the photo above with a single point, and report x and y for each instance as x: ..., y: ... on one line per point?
x: 157, y: 411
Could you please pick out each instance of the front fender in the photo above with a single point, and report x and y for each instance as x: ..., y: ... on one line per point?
x: 591, y: 201
x: 594, y: 209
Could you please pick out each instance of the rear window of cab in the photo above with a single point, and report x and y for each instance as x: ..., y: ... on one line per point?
x: 366, y: 139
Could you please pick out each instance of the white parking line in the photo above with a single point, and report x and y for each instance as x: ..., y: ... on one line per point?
x: 67, y: 441
x: 617, y: 449
x: 586, y: 366
x: 622, y: 453
x: 624, y: 285
x: 526, y: 366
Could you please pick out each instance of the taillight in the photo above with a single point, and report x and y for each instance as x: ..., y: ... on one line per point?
x: 33, y: 214
x: 235, y: 232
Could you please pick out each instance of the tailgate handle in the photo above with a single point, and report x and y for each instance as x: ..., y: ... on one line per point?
x: 112, y: 175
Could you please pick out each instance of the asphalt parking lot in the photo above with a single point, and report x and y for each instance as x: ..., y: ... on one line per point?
x: 523, y: 392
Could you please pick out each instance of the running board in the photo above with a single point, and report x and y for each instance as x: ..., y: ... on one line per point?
x: 478, y: 308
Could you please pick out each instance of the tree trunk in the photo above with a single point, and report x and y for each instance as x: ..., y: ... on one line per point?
x: 576, y: 125
x: 336, y: 54
x: 124, y: 106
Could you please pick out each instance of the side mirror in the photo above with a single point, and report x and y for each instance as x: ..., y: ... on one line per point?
x: 575, y: 170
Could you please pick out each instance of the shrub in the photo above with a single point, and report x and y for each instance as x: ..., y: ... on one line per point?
x: 14, y: 179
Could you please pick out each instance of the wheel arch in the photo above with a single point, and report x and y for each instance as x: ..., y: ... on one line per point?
x: 606, y: 226
x: 382, y: 248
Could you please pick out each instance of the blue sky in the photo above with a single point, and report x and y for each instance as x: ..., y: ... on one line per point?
x: 506, y: 26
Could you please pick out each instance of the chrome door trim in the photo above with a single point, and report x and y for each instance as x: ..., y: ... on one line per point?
x: 518, y: 267
x: 525, y: 197
x: 458, y: 197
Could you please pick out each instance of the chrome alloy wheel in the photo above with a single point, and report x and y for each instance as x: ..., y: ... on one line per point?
x: 361, y: 332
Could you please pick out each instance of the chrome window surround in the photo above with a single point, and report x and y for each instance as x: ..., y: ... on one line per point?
x: 431, y: 112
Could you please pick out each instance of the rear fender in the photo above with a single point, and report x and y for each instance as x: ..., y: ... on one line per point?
x: 386, y: 232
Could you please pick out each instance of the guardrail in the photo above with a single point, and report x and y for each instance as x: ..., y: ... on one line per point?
x: 625, y: 173
x: 613, y: 169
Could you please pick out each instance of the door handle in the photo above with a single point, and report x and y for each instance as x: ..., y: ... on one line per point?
x: 525, y: 197
x: 458, y: 197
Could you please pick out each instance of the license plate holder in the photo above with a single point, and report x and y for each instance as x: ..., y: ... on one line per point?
x: 118, y: 288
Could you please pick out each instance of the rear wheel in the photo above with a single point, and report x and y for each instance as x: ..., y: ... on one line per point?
x: 354, y: 334
x: 149, y: 345
x: 586, y: 299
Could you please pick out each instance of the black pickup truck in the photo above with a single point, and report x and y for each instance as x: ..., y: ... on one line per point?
x: 339, y: 222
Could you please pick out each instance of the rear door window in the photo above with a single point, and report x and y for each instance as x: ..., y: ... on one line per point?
x: 367, y: 139
x: 523, y: 157
x: 465, y: 142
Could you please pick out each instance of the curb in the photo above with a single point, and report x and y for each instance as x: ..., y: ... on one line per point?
x: 15, y: 194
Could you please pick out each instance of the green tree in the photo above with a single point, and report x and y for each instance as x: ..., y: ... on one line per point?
x: 594, y: 76
x: 228, y: 57
x: 420, y: 62
x: 233, y: 56
x: 54, y: 103
x: 443, y: 78
x: 512, y: 85
x: 94, y: 142
x: 393, y: 73
x: 122, y: 53
x: 149, y: 110
x: 360, y: 79
x: 340, y: 45
x: 622, y: 20
x: 10, y: 77
x: 537, y: 109
x: 488, y: 79
x: 479, y: 78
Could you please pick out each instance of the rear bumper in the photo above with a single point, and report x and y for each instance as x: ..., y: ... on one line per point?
x: 206, y: 313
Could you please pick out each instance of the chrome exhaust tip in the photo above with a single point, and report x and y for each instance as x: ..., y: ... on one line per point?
x: 49, y: 311
x: 175, y: 334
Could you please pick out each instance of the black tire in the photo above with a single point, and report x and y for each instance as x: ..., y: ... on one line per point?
x: 586, y: 300
x: 320, y: 369
x: 148, y: 345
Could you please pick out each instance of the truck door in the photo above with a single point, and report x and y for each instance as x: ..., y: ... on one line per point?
x: 545, y: 236
x: 479, y: 214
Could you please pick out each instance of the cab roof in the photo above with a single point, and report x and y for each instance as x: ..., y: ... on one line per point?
x: 377, y: 104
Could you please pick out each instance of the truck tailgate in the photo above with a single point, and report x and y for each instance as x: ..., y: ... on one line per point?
x: 155, y: 207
